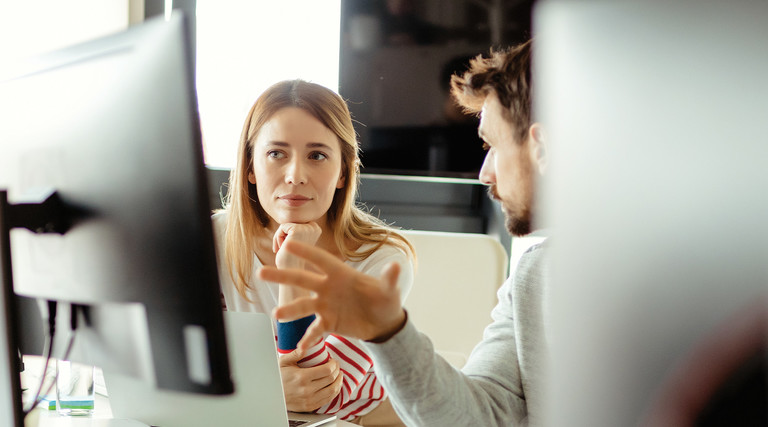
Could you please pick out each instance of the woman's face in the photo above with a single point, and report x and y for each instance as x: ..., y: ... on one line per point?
x: 296, y: 167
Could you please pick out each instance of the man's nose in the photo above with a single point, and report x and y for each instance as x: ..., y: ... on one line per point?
x: 487, y: 172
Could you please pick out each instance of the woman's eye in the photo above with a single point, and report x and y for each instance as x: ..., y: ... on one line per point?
x: 275, y: 154
x: 316, y: 155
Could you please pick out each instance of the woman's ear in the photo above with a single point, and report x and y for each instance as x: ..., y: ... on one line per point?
x: 537, y: 147
x: 251, y: 178
x: 342, y: 181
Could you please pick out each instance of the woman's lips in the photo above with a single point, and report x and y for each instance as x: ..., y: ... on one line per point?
x: 294, y: 200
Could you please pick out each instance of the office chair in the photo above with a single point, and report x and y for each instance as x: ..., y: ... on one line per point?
x: 454, y: 289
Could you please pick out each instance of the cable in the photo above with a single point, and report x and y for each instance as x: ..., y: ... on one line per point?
x: 52, y: 331
x: 47, y: 352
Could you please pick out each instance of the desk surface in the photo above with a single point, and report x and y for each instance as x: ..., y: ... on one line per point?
x: 102, y: 416
x: 111, y: 422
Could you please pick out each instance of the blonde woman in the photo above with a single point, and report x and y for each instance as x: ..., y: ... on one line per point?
x: 296, y: 178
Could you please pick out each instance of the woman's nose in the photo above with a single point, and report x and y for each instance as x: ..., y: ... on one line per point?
x: 295, y: 173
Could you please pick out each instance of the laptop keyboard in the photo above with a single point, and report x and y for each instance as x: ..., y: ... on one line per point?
x: 297, y: 423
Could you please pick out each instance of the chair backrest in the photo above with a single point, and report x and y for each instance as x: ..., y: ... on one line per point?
x: 454, y: 290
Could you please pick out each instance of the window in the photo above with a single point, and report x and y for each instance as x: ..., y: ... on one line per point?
x: 243, y: 47
x: 33, y: 27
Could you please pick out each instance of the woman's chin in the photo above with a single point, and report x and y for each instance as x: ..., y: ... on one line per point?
x: 295, y: 219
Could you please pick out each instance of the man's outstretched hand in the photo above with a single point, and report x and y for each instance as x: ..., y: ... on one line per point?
x: 345, y: 300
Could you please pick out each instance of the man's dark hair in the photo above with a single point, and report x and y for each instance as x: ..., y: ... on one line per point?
x: 508, y: 74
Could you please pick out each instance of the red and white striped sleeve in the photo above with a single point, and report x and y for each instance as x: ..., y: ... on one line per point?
x: 361, y: 391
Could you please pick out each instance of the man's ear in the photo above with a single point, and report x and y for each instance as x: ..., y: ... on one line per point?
x: 537, y: 147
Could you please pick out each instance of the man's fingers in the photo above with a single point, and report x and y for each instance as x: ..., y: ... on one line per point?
x: 294, y: 310
x: 312, y: 335
x: 321, y: 259
x: 301, y: 278
x: 390, y: 274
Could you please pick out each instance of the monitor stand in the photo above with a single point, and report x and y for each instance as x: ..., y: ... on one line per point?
x: 49, y: 216
x: 10, y: 382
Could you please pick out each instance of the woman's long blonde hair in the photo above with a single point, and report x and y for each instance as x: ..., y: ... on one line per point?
x: 352, y: 227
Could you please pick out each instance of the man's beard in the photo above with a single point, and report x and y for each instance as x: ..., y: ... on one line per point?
x: 517, y: 223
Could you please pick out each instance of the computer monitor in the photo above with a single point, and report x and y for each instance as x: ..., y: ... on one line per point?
x: 111, y: 126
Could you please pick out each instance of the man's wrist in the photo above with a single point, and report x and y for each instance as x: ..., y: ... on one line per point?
x: 403, y: 319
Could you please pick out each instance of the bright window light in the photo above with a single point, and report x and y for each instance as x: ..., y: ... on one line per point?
x: 244, y: 46
x: 168, y: 8
x: 32, y: 27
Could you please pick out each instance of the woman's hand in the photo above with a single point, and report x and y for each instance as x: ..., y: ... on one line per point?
x: 307, y: 389
x: 307, y: 233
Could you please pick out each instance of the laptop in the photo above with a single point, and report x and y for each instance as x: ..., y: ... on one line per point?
x: 258, y: 399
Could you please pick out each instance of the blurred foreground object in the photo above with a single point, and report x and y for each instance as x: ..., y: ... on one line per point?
x: 656, y: 114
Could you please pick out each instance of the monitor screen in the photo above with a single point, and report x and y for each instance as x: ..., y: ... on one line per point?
x: 112, y: 127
